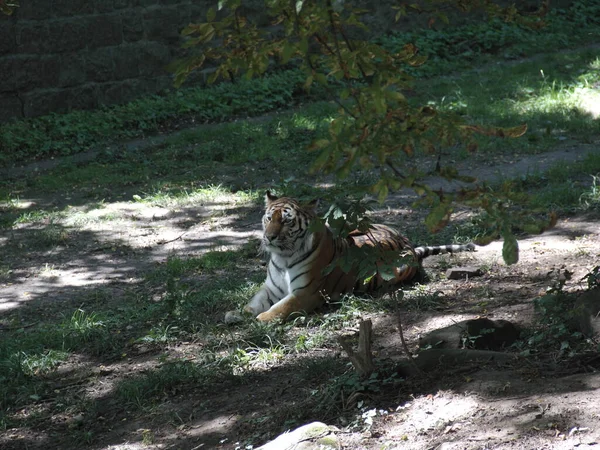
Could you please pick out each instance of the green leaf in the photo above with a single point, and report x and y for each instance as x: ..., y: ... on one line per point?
x: 303, y: 45
x: 287, y: 52
x: 383, y: 193
x: 320, y: 78
x: 387, y: 271
x: 211, y: 14
x: 439, y: 217
x: 321, y: 160
x: 510, y: 249
x: 318, y: 144
x: 308, y: 82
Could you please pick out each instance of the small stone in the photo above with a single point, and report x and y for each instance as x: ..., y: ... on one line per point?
x: 458, y: 273
x: 233, y: 317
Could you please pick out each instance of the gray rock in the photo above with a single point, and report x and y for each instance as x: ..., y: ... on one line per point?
x: 458, y: 273
x: 587, y: 312
x: 313, y: 436
x: 481, y: 334
x: 233, y: 317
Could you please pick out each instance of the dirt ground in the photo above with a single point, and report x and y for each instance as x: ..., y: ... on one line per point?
x: 517, y: 405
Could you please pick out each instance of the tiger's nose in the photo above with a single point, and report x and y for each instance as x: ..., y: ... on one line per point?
x: 270, y: 236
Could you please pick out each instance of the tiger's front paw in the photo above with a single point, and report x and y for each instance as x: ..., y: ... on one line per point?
x: 268, y: 316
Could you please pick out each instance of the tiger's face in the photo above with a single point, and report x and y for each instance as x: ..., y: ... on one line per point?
x: 285, y: 225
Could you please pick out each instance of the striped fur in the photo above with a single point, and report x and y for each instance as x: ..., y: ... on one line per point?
x: 296, y: 281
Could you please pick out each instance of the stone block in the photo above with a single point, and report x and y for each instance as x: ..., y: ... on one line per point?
x: 30, y: 10
x: 8, y: 41
x: 14, y: 72
x: 10, y: 106
x: 121, y: 4
x: 99, y: 64
x: 72, y: 69
x: 20, y: 73
x: 164, y: 84
x: 146, y: 86
x: 105, y: 30
x: 163, y: 24
x: 32, y: 37
x: 103, y: 6
x: 146, y: 3
x: 69, y: 35
x: 110, y: 93
x: 50, y: 71
x: 126, y: 60
x: 40, y: 102
x: 175, y: 2
x: 83, y: 97
x: 185, y: 17
x: 133, y: 25
x: 154, y: 57
x: 66, y: 8
x: 132, y: 89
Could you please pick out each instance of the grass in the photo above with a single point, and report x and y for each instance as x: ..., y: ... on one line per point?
x: 565, y: 188
x: 26, y: 361
x: 66, y: 134
x: 545, y: 94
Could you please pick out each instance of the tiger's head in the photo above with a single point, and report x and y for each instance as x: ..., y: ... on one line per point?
x: 285, y: 224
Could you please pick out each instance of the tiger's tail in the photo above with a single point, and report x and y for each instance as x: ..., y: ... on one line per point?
x: 424, y: 251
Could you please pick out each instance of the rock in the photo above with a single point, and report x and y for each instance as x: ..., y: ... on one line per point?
x: 233, y: 317
x: 447, y: 358
x: 458, y: 273
x: 313, y: 436
x: 481, y: 334
x: 587, y: 312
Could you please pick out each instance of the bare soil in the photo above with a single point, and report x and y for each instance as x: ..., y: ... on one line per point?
x: 529, y: 404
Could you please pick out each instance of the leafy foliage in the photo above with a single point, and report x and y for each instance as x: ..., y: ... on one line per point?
x: 451, y: 49
x: 376, y: 128
x: 66, y: 134
x: 593, y: 278
x: 8, y: 6
x: 557, y: 329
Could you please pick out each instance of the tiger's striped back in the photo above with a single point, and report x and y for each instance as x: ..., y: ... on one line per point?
x: 301, y: 271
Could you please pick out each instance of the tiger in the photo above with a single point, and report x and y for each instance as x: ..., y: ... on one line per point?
x: 299, y: 272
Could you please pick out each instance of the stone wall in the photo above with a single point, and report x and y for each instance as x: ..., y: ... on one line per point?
x: 58, y: 55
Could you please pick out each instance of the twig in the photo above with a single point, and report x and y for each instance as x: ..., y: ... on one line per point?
x: 404, y: 345
x: 394, y: 169
x: 173, y: 240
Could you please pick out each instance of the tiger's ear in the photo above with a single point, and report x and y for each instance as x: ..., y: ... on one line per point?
x: 270, y: 198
